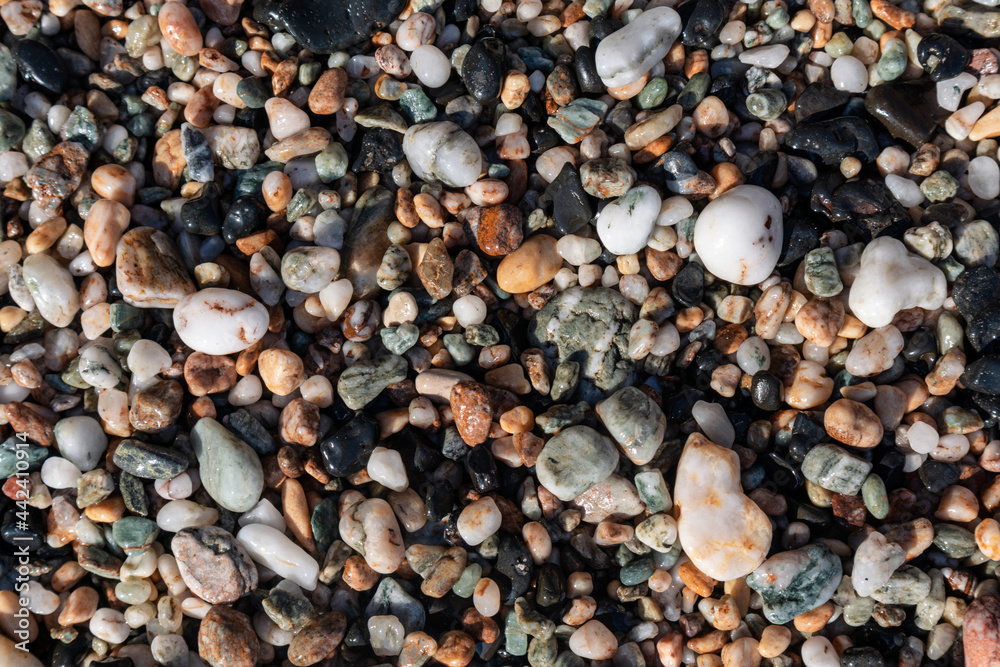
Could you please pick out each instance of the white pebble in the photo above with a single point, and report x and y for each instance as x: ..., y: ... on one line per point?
x: 714, y: 423
x: 273, y: 550
x: 109, y: 625
x: 849, y: 74
x: 178, y: 514
x: 904, y: 190
x: 738, y: 236
x: 58, y: 473
x: 430, y: 66
x: 984, y: 177
x: 480, y: 519
x: 769, y: 56
x: 220, y: 321
x: 469, y: 310
x: 891, y: 279
x: 626, y: 224
x: 385, y: 466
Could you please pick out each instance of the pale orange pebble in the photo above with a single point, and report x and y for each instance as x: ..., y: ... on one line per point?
x: 10, y: 317
x: 814, y: 620
x: 429, y: 210
x: 96, y: 320
x: 67, y: 576
x: 629, y: 90
x: 9, y: 605
x: 281, y: 370
x: 987, y: 127
x: 957, y: 504
x: 79, y: 607
x: 106, y: 511
x: 202, y: 106
x: 529, y: 267
x: 179, y: 29
x: 45, y: 235
x: 774, y: 640
x: 103, y: 229
x: 988, y: 538
x: 277, y: 189
x: 112, y: 181
x: 670, y: 649
x: 517, y: 420
x: 296, y: 511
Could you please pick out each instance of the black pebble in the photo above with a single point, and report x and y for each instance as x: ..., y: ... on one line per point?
x: 325, y: 27
x: 482, y: 69
x: 765, y: 391
x: 482, y: 469
x: 830, y: 141
x: 689, y: 284
x: 585, y: 68
x: 245, y: 217
x: 570, y: 207
x: 342, y: 450
x: 200, y: 215
x: 40, y: 65
x: 941, y: 56
x: 380, y: 150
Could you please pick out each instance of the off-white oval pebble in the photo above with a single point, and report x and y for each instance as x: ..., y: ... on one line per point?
x: 738, y: 236
x: 626, y: 224
x: 220, y: 321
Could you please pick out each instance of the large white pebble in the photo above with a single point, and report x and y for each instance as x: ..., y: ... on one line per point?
x: 220, y: 321
x: 81, y: 441
x: 480, y: 519
x: 738, y: 236
x: 52, y: 288
x: 892, y: 279
x: 273, y: 550
x: 626, y: 54
x: 444, y: 152
x: 430, y: 66
x: 625, y: 225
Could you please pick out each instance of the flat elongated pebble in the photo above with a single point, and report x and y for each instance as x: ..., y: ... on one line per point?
x: 276, y: 552
x: 371, y: 529
x: 626, y: 54
x: 220, y: 321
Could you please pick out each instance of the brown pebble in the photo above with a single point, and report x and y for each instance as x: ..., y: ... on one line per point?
x: 497, y: 229
x: 456, y: 649
x: 853, y: 424
x: 226, y: 639
x: 327, y: 95
x: 209, y: 373
x: 281, y: 370
x: 470, y: 403
x: 317, y: 639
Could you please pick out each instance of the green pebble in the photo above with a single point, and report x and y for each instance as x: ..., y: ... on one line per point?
x: 482, y: 335
x: 875, y: 29
x: 874, y: 495
x: 400, y: 339
x: 12, y: 130
x: 254, y: 91
x: 939, y: 186
x: 862, y: 12
x: 134, y: 533
x: 653, y: 491
x: 778, y: 18
x: 637, y: 572
x: 302, y: 202
x: 82, y: 127
x: 565, y: 381
x: 14, y: 458
x: 893, y: 61
x: 516, y: 639
x: 767, y: 103
x: 38, y: 141
x: 653, y: 93
x: 332, y: 162
x: 821, y: 275
x: 694, y: 91
x: 839, y: 45
x: 466, y: 584
x: 150, y: 461
x: 124, y: 317
x: 460, y: 351
x: 133, y: 493
x: 309, y: 73
x: 954, y: 541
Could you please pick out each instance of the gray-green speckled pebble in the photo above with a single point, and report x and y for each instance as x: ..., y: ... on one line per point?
x: 793, y: 582
x: 362, y: 382
x: 574, y: 460
x: 821, y: 275
x: 230, y: 470
x: 908, y: 585
x: 150, y: 461
x: 835, y: 469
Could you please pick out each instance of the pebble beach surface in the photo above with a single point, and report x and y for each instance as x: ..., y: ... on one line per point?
x: 499, y: 333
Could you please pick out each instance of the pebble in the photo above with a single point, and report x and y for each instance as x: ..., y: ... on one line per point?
x: 442, y: 151
x: 230, y: 471
x: 626, y: 225
x: 479, y: 520
x: 213, y: 564
x: 574, y: 460
x: 739, y: 235
x: 724, y: 533
x: 219, y: 321
x: 226, y: 638
x: 273, y: 550
x: 533, y: 264
x: 630, y: 52
x: 891, y: 279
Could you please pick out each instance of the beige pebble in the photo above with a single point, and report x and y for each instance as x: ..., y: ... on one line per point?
x: 179, y: 29
x: 105, y: 224
x: 281, y: 370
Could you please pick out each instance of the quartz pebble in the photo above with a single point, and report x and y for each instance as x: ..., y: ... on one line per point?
x: 220, y: 321
x: 738, y: 235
